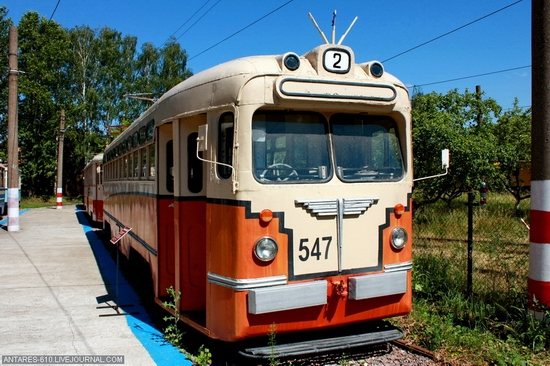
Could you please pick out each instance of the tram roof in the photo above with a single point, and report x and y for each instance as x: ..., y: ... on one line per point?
x: 241, y: 70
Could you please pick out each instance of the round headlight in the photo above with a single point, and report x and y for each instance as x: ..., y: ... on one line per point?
x: 376, y: 69
x: 266, y: 249
x: 292, y: 61
x: 399, y: 237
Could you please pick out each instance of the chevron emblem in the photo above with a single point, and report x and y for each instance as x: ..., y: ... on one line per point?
x: 330, y: 207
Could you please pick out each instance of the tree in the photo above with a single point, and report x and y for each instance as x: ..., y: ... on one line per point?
x: 86, y: 72
x: 453, y: 121
x: 513, y: 133
x: 44, y: 51
x: 158, y: 70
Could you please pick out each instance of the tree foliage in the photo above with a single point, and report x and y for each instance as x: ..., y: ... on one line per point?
x: 88, y: 73
x: 485, y: 143
x: 43, y: 56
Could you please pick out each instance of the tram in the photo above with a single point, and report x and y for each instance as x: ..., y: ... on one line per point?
x: 93, y: 188
x: 3, y: 189
x: 4, y: 171
x: 271, y: 190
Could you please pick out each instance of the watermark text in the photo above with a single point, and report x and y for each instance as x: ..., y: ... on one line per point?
x: 62, y: 359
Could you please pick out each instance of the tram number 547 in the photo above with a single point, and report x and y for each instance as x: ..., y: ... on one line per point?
x: 316, y: 250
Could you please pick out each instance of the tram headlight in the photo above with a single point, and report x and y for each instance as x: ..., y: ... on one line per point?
x: 376, y: 69
x: 291, y: 61
x: 266, y: 249
x: 399, y: 237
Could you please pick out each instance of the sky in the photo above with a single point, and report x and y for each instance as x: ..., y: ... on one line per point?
x: 432, y: 44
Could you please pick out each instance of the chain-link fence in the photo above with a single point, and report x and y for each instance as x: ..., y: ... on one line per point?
x: 485, y: 254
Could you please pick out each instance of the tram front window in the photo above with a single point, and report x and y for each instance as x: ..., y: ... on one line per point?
x: 366, y: 148
x: 290, y: 147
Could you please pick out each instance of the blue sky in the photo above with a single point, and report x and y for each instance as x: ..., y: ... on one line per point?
x: 384, y: 29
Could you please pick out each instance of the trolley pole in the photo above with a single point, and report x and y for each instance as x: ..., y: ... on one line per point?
x: 13, y: 156
x: 60, y: 160
x: 539, y: 237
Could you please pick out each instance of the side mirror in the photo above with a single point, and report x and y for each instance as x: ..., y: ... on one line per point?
x: 202, y: 139
x: 445, y: 159
x: 444, y: 165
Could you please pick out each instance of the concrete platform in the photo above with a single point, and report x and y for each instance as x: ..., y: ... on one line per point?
x: 54, y: 274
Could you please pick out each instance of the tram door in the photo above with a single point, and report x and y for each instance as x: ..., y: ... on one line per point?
x: 166, y: 264
x: 190, y: 216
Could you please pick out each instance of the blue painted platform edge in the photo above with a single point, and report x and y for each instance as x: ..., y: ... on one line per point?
x: 161, y: 351
x: 5, y: 221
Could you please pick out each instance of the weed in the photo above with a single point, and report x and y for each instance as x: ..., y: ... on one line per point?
x: 494, y: 325
x: 172, y: 332
x: 344, y: 360
x: 272, y: 334
x: 203, y: 358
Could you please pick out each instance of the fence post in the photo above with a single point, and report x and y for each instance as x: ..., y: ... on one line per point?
x: 470, y: 242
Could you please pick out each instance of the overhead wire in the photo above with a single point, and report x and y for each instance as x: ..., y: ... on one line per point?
x: 454, y: 30
x: 240, y: 30
x: 54, y: 10
x: 184, y: 23
x: 202, y: 16
x: 472, y: 76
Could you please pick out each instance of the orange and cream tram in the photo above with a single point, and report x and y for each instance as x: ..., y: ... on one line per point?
x: 93, y: 188
x: 272, y: 190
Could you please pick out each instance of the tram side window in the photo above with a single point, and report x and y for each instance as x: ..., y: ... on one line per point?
x: 136, y: 164
x: 170, y: 166
x: 225, y: 144
x: 290, y: 147
x: 152, y: 162
x: 143, y: 172
x: 194, y: 165
x: 366, y: 148
x: 126, y: 168
x: 99, y: 174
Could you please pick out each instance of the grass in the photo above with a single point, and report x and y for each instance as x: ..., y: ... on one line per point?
x: 47, y: 201
x: 492, y: 326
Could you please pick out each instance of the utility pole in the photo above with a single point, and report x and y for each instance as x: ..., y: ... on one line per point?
x: 479, y: 113
x: 60, y: 160
x: 539, y: 236
x: 13, y: 155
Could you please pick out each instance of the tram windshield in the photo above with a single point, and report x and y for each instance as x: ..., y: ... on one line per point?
x: 294, y: 147
x: 366, y: 148
x: 290, y: 147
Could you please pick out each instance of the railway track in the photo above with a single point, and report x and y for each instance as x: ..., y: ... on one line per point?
x: 390, y: 353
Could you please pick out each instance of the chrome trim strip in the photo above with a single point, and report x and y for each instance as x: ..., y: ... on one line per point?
x: 321, y: 207
x: 395, y: 267
x: 287, y: 297
x: 339, y: 89
x: 247, y: 283
x: 340, y: 231
x: 356, y: 206
x: 377, y: 285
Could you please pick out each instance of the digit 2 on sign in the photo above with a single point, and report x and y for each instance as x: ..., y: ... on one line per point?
x: 337, y: 61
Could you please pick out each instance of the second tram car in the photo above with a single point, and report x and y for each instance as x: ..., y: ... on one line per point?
x: 3, y: 189
x: 272, y: 189
x: 4, y: 171
x: 93, y: 188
